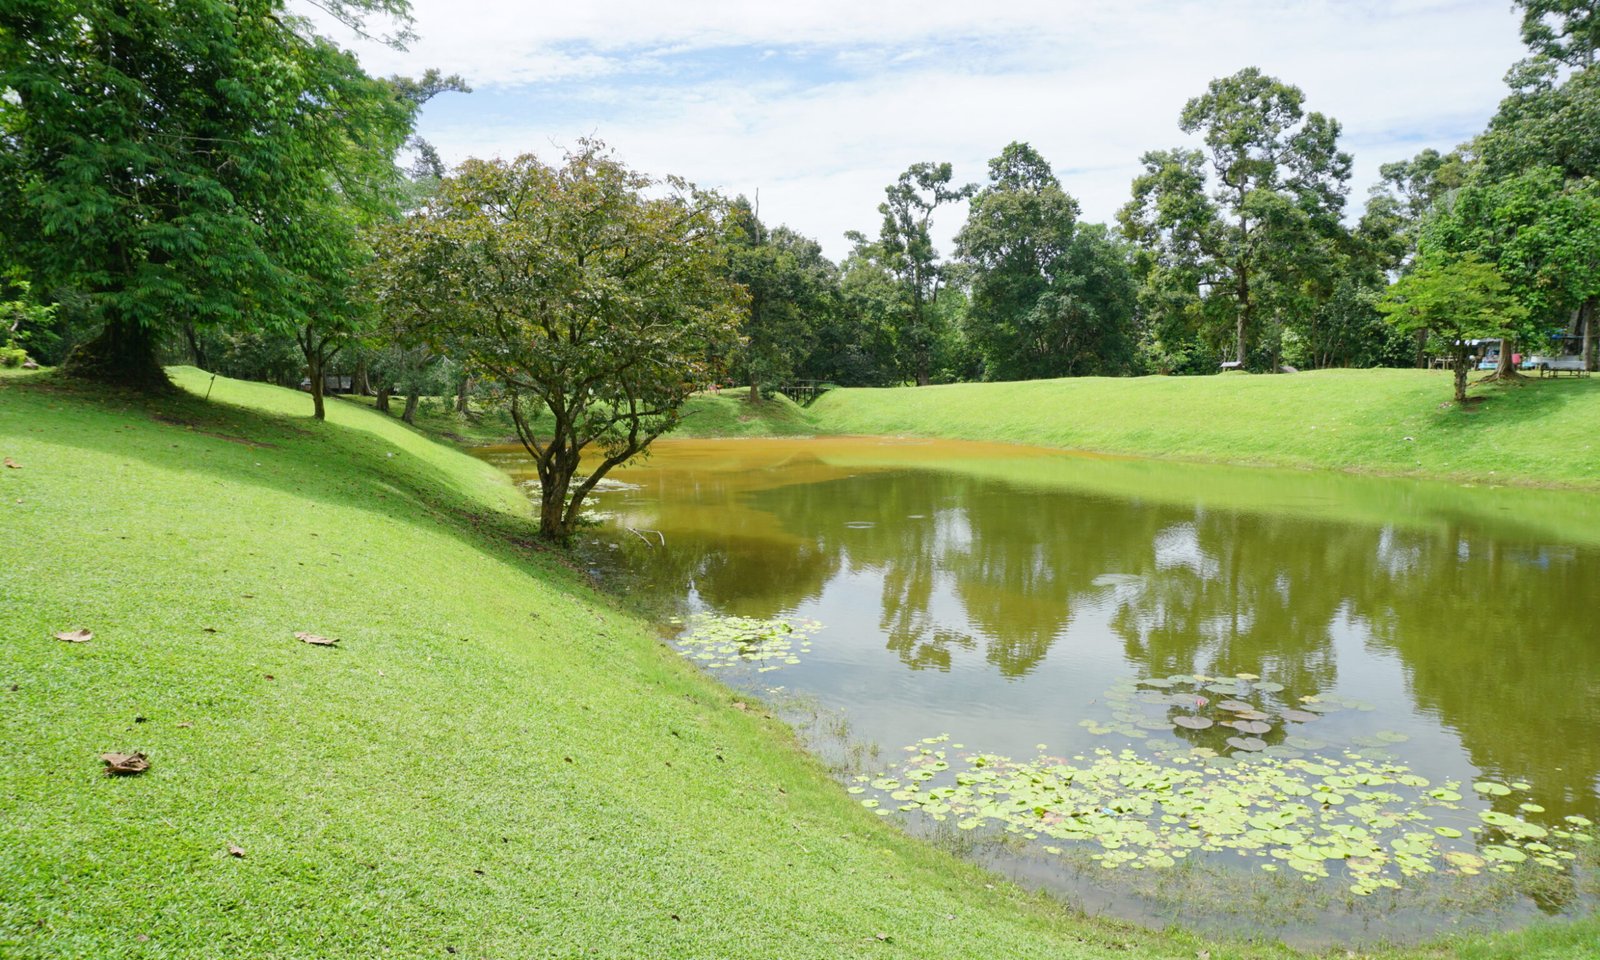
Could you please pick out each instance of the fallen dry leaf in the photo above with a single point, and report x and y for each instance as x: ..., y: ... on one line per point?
x: 315, y: 639
x: 125, y: 764
x: 14, y: 465
x: 76, y: 636
x: 235, y: 850
x: 740, y: 705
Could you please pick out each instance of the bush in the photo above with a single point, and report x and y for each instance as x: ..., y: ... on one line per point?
x: 12, y: 355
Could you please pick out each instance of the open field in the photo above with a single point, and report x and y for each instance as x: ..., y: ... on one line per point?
x: 1392, y: 422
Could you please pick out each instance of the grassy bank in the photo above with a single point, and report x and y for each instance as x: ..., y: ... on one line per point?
x: 1393, y: 422
x: 493, y: 762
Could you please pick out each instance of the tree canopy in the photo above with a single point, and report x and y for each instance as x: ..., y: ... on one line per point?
x: 596, y: 295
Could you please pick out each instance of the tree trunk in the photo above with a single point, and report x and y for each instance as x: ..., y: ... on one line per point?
x: 1463, y: 364
x: 1422, y: 349
x: 1507, y: 368
x: 363, y: 384
x: 314, y: 366
x: 755, y: 389
x: 1590, y: 309
x: 382, y: 403
x: 463, y: 391
x: 1238, y: 340
x: 195, y: 353
x: 122, y: 354
x: 410, y: 416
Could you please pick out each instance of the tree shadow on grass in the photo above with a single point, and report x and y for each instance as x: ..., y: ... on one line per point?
x: 329, y: 463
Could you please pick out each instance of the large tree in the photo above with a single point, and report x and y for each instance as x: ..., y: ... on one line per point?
x: 905, y: 249
x: 596, y: 295
x: 185, y: 162
x: 790, y: 285
x: 1050, y: 297
x: 1237, y: 259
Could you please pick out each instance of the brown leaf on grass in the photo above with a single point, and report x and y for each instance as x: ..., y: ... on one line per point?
x: 76, y: 636
x: 125, y: 764
x: 740, y: 705
x: 12, y: 464
x: 209, y: 629
x: 234, y: 850
x: 315, y: 639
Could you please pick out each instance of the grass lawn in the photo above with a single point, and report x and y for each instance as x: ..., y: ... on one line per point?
x: 1398, y: 422
x: 494, y: 762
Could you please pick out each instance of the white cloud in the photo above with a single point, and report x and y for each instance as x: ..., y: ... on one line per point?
x: 820, y: 105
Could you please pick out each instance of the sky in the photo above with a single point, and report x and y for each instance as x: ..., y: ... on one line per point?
x: 817, y: 106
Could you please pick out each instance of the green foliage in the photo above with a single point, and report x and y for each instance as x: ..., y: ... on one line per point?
x: 144, y: 144
x: 904, y: 251
x: 791, y: 286
x: 1050, y: 298
x: 1567, y: 31
x: 1234, y: 264
x: 1453, y: 302
x: 589, y: 291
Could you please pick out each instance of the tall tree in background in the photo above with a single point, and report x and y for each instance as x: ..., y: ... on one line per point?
x: 789, y: 282
x: 185, y: 162
x: 905, y: 248
x: 1236, y: 261
x: 1566, y: 31
x: 596, y: 295
x: 1050, y: 298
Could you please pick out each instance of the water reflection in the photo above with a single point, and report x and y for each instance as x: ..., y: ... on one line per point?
x: 1017, y: 584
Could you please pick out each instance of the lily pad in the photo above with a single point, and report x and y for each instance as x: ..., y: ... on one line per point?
x: 1300, y: 716
x: 1490, y: 788
x: 1193, y: 723
x: 1247, y: 743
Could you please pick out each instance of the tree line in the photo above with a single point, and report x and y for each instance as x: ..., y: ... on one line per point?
x: 219, y: 183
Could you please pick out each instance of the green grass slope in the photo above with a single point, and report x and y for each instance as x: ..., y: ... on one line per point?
x: 493, y: 762
x: 1376, y: 421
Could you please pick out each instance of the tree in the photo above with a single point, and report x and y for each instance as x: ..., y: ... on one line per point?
x: 1455, y: 302
x: 906, y: 250
x: 1237, y: 261
x: 1050, y: 298
x: 788, y: 281
x: 1567, y: 31
x: 596, y: 295
x: 173, y: 161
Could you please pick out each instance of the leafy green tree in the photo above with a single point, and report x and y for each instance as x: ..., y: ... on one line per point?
x: 905, y: 249
x: 597, y: 296
x: 853, y: 339
x: 1454, y: 301
x: 1050, y: 298
x: 1567, y: 31
x: 186, y: 162
x: 789, y: 282
x: 1236, y: 261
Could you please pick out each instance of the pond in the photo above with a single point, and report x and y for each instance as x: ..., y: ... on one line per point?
x: 1321, y: 707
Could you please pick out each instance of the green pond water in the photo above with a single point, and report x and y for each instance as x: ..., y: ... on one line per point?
x: 1320, y: 707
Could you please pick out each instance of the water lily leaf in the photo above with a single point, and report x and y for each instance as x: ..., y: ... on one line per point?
x: 1234, y: 706
x: 75, y: 636
x: 1531, y: 808
x: 1192, y: 723
x: 1504, y: 854
x: 1490, y: 788
x: 1252, y: 726
x: 1247, y: 676
x: 1450, y: 832
x: 1300, y: 716
x: 125, y: 764
x: 1247, y: 743
x: 1268, y: 686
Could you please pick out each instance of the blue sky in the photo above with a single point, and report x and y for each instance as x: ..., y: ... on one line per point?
x: 820, y: 105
